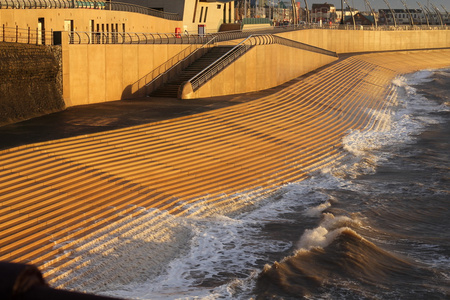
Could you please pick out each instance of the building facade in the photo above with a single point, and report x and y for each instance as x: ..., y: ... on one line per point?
x: 197, y: 15
x: 324, y: 13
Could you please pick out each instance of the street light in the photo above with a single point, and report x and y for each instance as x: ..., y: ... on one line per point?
x: 392, y: 12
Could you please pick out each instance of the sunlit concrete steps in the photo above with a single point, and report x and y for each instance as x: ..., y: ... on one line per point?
x: 61, y: 196
x: 97, y: 278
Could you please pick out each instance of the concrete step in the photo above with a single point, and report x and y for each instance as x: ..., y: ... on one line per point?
x: 170, y: 89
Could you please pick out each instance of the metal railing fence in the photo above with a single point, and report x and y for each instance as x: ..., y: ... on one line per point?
x: 86, y: 37
x: 37, y: 4
x: 35, y: 36
x: 299, y: 45
x: 229, y: 57
x: 181, y: 61
x: 26, y: 35
x: 119, y: 6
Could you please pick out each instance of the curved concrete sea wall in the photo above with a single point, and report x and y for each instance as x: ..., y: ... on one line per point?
x: 260, y: 68
x: 351, y: 41
x: 100, y: 73
x: 100, y: 210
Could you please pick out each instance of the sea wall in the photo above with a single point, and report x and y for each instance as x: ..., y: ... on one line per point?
x: 30, y: 81
x: 100, y: 73
x: 354, y: 41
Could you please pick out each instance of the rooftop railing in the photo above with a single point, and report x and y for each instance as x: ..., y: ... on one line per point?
x: 106, y: 5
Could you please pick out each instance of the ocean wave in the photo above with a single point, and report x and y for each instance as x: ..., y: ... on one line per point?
x: 348, y: 263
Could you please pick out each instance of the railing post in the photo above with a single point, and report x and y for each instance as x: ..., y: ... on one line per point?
x: 29, y: 35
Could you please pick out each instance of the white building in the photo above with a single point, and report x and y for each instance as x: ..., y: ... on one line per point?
x: 206, y: 14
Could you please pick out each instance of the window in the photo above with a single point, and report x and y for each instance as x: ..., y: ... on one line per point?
x: 219, y: 6
x: 206, y: 13
x: 201, y: 15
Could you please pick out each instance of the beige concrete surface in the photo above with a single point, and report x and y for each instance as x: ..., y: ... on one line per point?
x: 262, y: 67
x: 72, y: 206
x: 351, y: 41
x: 54, y: 20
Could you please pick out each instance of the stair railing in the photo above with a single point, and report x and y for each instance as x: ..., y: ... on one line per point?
x: 299, y: 45
x: 180, y: 60
x: 257, y: 39
x: 229, y: 57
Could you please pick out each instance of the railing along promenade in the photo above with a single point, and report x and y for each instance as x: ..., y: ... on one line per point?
x: 104, y: 5
x: 35, y: 36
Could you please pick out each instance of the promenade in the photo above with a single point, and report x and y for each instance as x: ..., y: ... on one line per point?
x: 103, y: 205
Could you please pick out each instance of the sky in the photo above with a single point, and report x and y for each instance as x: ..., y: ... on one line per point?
x: 377, y: 4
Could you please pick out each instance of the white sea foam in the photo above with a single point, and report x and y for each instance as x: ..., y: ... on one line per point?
x: 329, y: 228
x: 228, y: 245
x: 222, y: 244
x: 411, y: 115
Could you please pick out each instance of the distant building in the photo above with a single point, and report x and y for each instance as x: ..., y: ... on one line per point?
x: 208, y: 14
x: 323, y: 13
x: 360, y: 19
x: 402, y: 16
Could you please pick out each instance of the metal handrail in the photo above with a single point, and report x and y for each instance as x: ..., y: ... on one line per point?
x: 119, y: 6
x: 259, y: 39
x: 31, y: 36
x: 179, y: 61
x: 93, y: 37
x: 291, y: 43
x: 226, y: 59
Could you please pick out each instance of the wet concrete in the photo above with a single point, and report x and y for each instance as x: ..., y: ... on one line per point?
x: 86, y: 119
x: 92, y: 118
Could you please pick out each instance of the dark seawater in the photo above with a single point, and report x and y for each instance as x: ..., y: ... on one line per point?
x: 375, y: 227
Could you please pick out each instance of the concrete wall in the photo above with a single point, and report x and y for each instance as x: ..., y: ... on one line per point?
x: 100, y: 73
x: 351, y: 41
x: 54, y: 20
x: 260, y: 68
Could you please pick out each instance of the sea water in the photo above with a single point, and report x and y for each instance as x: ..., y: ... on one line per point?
x: 376, y: 226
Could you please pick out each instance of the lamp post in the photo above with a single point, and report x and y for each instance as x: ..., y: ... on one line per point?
x: 392, y: 12
x: 373, y: 13
x: 425, y: 13
x: 409, y: 13
x: 438, y: 14
x: 351, y: 13
x: 308, y: 17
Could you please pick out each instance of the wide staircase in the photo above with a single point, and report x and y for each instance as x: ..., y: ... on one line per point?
x: 170, y: 89
x: 81, y: 208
